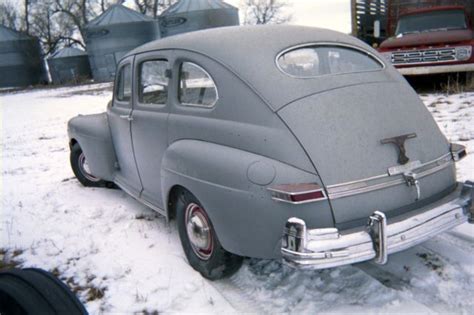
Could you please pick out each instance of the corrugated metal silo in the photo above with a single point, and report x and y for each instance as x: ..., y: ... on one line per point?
x: 114, y: 33
x: 69, y: 65
x: 192, y: 15
x: 20, y: 59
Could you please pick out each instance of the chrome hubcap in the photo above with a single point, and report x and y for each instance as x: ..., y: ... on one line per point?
x: 199, y: 231
x: 85, y: 170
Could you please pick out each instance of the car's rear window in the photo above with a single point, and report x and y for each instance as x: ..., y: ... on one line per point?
x: 318, y: 60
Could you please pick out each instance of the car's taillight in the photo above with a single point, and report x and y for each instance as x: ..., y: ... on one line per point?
x: 458, y: 151
x: 297, y: 193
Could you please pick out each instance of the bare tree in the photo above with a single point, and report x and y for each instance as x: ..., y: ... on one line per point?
x: 52, y: 29
x: 10, y: 16
x: 266, y: 12
x: 153, y: 7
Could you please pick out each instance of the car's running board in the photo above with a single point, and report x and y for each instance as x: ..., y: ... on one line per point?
x: 141, y: 200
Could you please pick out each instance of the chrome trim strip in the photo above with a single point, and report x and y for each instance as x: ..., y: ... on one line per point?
x: 296, y: 193
x: 363, y: 185
x: 299, y: 202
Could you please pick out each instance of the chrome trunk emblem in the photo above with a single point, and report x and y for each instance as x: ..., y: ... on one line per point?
x: 400, y: 143
x: 412, y: 180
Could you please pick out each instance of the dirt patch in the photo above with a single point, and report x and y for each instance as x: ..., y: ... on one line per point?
x: 434, y: 263
x: 9, y: 258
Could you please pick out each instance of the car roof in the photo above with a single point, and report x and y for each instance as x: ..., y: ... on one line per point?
x: 250, y: 52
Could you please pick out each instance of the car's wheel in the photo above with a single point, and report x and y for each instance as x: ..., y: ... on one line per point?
x: 201, y: 246
x: 80, y: 167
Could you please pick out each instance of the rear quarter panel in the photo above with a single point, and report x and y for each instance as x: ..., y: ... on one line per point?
x: 232, y: 186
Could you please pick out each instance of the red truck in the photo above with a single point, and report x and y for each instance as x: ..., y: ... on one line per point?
x: 423, y: 36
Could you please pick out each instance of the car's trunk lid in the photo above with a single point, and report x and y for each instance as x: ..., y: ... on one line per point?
x: 341, y: 131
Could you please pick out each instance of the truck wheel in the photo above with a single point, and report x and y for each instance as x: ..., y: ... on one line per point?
x: 200, y: 244
x: 81, y: 168
x: 36, y: 291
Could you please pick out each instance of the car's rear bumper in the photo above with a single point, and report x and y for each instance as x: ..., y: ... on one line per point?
x: 425, y: 70
x: 326, y: 248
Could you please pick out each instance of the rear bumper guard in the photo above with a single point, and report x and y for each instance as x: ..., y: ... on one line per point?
x: 326, y: 248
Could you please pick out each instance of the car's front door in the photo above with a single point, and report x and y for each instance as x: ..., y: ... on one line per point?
x: 150, y: 117
x: 120, y: 118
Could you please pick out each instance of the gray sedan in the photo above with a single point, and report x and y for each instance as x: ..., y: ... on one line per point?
x: 276, y: 142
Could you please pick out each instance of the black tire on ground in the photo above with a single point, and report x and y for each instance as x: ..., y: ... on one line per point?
x: 213, y: 262
x: 78, y: 165
x: 36, y: 291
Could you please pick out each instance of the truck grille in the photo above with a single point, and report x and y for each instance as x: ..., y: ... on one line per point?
x: 424, y: 56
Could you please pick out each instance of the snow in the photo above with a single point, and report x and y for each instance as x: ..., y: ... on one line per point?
x: 122, y: 257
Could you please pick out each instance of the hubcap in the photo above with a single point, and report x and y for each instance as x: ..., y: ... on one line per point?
x: 199, y: 231
x: 85, y: 170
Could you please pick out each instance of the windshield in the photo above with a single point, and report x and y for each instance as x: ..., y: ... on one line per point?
x: 432, y: 21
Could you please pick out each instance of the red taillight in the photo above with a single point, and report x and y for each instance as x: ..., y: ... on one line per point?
x: 297, y: 193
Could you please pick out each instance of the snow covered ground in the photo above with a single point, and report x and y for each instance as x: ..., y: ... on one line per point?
x: 119, y: 256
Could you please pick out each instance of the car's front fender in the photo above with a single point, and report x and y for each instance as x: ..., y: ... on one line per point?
x: 232, y: 186
x: 92, y: 132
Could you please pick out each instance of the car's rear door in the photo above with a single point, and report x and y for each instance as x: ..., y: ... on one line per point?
x: 150, y: 117
x: 119, y: 116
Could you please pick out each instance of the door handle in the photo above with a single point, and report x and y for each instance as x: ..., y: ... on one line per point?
x: 127, y: 117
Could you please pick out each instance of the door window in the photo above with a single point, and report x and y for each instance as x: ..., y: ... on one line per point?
x: 153, y: 86
x: 196, y: 87
x: 123, y: 90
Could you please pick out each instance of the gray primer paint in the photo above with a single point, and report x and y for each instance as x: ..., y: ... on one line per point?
x: 299, y: 131
x: 193, y: 15
x: 69, y: 65
x: 110, y: 36
x: 20, y: 59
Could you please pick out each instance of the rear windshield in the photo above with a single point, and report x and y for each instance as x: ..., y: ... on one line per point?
x: 313, y: 61
x: 431, y: 22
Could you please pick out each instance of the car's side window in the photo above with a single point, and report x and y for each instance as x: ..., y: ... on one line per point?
x: 123, y: 90
x: 196, y: 87
x: 153, y: 82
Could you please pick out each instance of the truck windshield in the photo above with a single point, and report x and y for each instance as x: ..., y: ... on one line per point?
x: 432, y: 21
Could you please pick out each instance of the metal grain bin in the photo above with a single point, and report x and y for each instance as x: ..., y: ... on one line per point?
x: 192, y: 15
x: 69, y: 65
x: 20, y: 59
x: 114, y: 33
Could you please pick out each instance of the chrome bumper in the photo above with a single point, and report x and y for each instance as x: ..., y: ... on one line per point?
x: 426, y: 70
x: 326, y: 248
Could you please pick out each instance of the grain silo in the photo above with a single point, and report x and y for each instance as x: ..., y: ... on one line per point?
x: 192, y: 15
x: 69, y: 65
x: 114, y: 33
x: 20, y: 59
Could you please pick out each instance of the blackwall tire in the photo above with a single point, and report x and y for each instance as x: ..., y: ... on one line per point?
x: 206, y: 256
x: 36, y: 291
x: 78, y: 162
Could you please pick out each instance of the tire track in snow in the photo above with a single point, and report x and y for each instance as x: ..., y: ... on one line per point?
x: 423, y: 273
x: 236, y: 296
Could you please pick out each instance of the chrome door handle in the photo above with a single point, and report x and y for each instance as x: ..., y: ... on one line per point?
x: 127, y: 117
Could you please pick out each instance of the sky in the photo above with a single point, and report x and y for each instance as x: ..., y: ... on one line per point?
x: 331, y: 14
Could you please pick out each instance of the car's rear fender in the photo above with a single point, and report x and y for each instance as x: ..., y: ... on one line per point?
x: 93, y: 135
x: 232, y: 186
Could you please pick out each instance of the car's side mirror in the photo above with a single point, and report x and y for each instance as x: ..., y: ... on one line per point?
x: 168, y: 73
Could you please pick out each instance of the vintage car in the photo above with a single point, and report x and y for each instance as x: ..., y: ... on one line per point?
x: 276, y: 142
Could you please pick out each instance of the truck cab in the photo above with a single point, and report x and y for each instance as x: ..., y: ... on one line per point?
x: 431, y: 40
